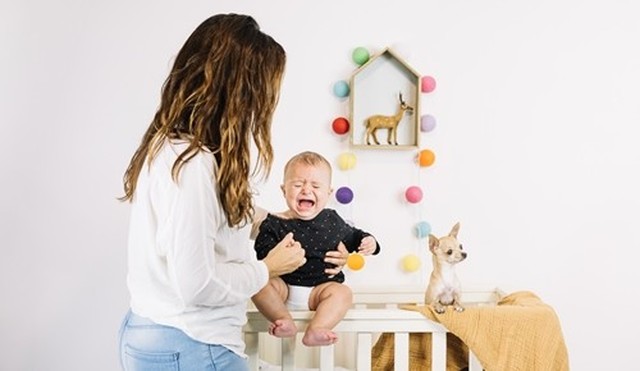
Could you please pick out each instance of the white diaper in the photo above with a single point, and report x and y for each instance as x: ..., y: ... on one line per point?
x: 298, y: 297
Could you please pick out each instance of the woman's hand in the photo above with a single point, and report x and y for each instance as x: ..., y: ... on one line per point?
x: 338, y: 258
x: 285, y: 257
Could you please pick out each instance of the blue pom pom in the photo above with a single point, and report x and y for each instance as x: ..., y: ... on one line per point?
x: 423, y: 229
x: 341, y: 89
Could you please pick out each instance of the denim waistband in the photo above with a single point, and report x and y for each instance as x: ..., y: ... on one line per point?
x: 136, y: 320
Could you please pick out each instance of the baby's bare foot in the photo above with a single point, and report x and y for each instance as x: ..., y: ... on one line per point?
x: 319, y: 336
x: 283, y: 328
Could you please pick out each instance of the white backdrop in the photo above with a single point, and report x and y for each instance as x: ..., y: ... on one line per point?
x: 536, y: 146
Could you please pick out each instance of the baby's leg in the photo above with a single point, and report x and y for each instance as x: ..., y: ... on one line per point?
x: 330, y: 300
x: 270, y: 302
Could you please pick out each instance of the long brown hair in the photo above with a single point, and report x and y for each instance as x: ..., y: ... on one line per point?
x: 222, y: 90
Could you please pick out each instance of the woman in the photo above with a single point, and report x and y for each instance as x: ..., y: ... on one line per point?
x: 191, y: 266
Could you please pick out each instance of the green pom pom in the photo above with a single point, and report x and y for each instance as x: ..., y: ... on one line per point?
x: 360, y: 55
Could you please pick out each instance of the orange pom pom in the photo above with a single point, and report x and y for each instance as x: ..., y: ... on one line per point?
x: 427, y: 158
x: 355, y: 261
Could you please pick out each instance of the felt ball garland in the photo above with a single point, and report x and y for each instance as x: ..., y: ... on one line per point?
x: 413, y: 194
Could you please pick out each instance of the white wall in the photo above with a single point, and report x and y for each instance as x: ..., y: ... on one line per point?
x: 536, y: 145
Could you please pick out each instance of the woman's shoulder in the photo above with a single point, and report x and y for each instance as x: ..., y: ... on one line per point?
x: 172, y: 148
x: 175, y: 146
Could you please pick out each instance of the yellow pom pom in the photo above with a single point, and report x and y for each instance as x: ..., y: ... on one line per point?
x: 410, y: 263
x: 355, y: 261
x: 347, y: 161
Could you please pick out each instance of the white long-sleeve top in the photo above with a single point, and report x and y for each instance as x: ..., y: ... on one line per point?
x: 186, y: 267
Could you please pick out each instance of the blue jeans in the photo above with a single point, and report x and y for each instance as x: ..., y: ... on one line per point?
x: 146, y: 345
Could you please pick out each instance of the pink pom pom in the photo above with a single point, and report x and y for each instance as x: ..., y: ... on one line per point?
x: 413, y: 194
x: 428, y: 84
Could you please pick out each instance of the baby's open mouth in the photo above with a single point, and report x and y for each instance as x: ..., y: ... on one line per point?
x: 306, y: 204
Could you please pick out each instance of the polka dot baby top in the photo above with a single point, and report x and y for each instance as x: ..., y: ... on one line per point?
x: 317, y: 236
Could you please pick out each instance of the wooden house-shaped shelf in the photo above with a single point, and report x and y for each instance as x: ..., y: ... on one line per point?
x: 375, y: 90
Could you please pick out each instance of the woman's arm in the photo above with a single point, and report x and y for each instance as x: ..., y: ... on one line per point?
x: 195, y: 235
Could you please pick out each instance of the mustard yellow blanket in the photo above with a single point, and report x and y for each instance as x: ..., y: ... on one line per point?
x: 521, y: 333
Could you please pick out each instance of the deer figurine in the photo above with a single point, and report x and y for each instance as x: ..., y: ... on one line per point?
x: 376, y: 122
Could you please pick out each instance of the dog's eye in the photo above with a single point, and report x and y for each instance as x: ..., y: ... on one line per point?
x: 449, y: 252
x: 460, y: 246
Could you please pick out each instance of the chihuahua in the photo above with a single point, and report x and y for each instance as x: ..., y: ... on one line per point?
x: 444, y: 286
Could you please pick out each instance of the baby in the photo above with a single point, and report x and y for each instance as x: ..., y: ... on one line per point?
x: 306, y: 189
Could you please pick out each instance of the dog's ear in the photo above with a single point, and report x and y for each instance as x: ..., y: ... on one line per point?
x: 433, y: 242
x: 454, y: 230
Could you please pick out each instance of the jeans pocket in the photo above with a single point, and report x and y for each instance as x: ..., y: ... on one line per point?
x: 139, y: 360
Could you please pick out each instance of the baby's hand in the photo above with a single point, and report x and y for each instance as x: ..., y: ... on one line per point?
x: 367, y: 246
